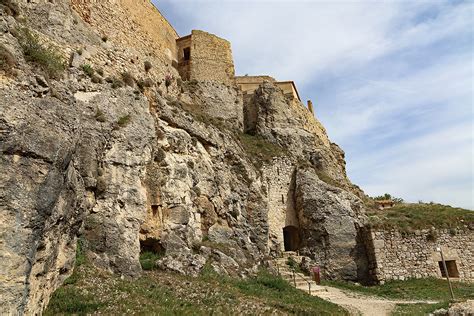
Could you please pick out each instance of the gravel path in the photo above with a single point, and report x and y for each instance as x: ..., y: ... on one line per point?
x: 358, y: 304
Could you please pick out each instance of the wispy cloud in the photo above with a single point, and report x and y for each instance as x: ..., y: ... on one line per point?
x: 392, y: 81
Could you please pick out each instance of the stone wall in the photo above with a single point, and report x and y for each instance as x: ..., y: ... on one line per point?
x: 211, y: 58
x: 280, y: 179
x: 396, y: 256
x: 248, y: 85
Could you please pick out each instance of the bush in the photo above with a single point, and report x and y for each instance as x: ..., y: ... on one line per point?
x: 7, y: 60
x: 128, y: 79
x: 46, y: 58
x: 88, y: 70
x: 124, y: 120
x: 147, y: 66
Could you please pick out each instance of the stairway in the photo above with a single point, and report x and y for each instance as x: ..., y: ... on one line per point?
x: 296, y: 279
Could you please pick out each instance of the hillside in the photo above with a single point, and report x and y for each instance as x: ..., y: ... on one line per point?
x: 121, y: 138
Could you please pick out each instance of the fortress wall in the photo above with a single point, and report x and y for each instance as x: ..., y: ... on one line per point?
x: 134, y: 24
x: 280, y: 180
x: 211, y: 58
x: 393, y: 256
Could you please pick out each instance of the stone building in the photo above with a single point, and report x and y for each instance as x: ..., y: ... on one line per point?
x: 396, y: 256
x: 248, y: 85
x: 384, y: 204
x: 205, y: 57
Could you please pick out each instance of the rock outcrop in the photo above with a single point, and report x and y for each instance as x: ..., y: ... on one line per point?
x: 184, y: 169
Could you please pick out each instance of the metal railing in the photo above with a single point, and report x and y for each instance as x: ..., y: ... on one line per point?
x: 293, y: 276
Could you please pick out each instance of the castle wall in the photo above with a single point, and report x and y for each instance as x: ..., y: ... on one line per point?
x: 280, y: 179
x: 153, y: 34
x: 211, y: 58
x: 393, y: 256
x: 248, y: 85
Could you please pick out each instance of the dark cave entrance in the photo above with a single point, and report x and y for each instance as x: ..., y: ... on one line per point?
x: 452, y: 268
x: 151, y: 245
x: 291, y: 238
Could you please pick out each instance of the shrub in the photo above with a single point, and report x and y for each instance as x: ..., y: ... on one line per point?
x: 46, y: 58
x: 99, y: 115
x: 142, y: 84
x: 147, y: 66
x: 88, y: 70
x: 124, y: 120
x: 117, y: 83
x: 128, y: 79
x: 7, y: 60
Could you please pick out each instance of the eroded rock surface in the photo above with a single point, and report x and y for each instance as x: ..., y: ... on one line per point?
x: 187, y: 170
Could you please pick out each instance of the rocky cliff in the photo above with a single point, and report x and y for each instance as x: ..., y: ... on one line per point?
x: 114, y: 150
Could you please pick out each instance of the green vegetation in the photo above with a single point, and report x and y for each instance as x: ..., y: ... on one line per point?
x: 7, y: 60
x: 408, y: 217
x: 160, y: 293
x: 260, y: 148
x: 388, y: 196
x: 88, y: 70
x: 148, y: 259
x: 47, y: 58
x: 124, y: 120
x: 412, y: 289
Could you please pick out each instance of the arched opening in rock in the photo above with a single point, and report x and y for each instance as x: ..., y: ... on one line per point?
x: 151, y: 245
x: 291, y: 238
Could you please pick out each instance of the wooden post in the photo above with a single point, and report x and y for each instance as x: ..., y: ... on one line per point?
x: 294, y: 278
x: 309, y: 286
x: 446, y: 272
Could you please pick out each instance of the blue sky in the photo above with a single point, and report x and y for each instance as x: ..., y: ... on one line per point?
x: 392, y: 81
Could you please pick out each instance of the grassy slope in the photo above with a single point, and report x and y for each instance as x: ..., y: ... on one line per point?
x: 414, y: 289
x: 160, y: 293
x: 408, y: 217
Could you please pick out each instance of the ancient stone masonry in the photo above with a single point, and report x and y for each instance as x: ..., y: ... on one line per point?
x: 280, y: 179
x: 248, y: 84
x: 203, y: 56
x: 397, y: 256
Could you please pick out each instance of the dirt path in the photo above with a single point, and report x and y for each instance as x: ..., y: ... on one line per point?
x: 358, y: 304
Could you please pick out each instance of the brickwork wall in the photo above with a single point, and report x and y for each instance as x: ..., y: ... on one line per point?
x: 393, y: 256
x: 280, y: 180
x: 211, y: 58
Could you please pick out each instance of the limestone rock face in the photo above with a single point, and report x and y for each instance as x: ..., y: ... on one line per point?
x: 175, y: 168
x: 331, y: 219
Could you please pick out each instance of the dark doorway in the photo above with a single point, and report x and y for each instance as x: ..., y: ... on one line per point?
x: 452, y: 268
x: 291, y: 238
x: 187, y: 53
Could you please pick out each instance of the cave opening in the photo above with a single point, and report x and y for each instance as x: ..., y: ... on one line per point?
x: 291, y: 238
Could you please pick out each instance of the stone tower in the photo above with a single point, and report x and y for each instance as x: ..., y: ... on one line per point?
x: 205, y: 57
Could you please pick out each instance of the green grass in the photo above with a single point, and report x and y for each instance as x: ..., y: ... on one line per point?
x: 408, y: 217
x: 148, y: 259
x: 47, y: 58
x: 412, y: 289
x: 418, y: 309
x: 161, y: 293
x: 124, y: 120
x: 70, y: 300
x: 259, y: 148
x: 88, y: 70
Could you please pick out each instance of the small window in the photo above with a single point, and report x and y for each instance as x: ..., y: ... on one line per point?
x: 187, y: 53
x: 452, y: 268
x: 154, y: 209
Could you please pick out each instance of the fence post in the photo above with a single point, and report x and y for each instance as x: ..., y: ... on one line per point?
x: 309, y: 286
x: 294, y: 278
